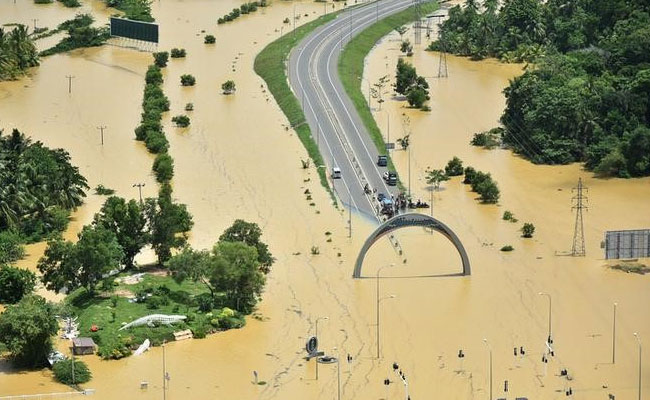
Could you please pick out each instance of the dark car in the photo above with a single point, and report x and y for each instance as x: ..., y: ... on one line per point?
x: 380, y: 196
x: 392, y: 179
x: 382, y: 161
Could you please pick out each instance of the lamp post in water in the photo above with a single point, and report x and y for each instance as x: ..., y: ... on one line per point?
x: 614, y: 336
x: 490, y: 366
x: 638, y: 340
x: 317, y: 319
x: 549, y: 316
x: 378, y: 299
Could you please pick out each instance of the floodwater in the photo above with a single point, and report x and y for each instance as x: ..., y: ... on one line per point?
x: 237, y: 160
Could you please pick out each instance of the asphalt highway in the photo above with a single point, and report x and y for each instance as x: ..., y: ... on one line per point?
x: 335, y: 124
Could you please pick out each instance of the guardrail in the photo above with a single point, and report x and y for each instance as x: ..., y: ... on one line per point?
x: 87, y: 392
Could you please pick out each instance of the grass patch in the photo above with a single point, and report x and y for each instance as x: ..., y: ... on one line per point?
x: 270, y: 65
x: 631, y: 267
x: 351, y: 66
x: 109, y: 310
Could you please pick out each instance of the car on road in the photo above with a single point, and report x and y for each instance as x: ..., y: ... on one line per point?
x: 382, y: 161
x: 380, y: 196
x: 336, y: 173
x: 390, y: 178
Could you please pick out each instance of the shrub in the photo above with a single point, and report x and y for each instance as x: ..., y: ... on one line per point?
x: 509, y: 216
x: 507, y: 248
x: 187, y: 80
x: 469, y: 175
x: 417, y: 96
x: 156, y: 142
x: 488, y: 139
x: 228, y: 87
x: 315, y: 250
x: 178, y: 53
x: 527, y: 230
x: 454, y: 167
x: 63, y: 372
x: 113, y: 347
x: 209, y: 39
x: 489, y: 191
x: 286, y: 20
x: 160, y: 59
x: 71, y: 3
x: 11, y: 248
x: 163, y: 167
x: 221, y: 21
x: 103, y: 190
x: 154, y: 75
x: 189, y: 107
x: 181, y: 121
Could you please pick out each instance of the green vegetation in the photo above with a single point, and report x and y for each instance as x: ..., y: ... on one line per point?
x: 586, y: 99
x: 631, y: 267
x: 138, y: 10
x: 527, y: 230
x: 163, y: 167
x: 228, y: 87
x: 178, y: 53
x: 154, y: 103
x: 454, y: 167
x: 103, y: 190
x: 188, y: 80
x: 80, y: 34
x: 488, y: 139
x: 11, y: 247
x: 209, y: 39
x: 182, y: 121
x: 189, y: 107
x: 509, y: 216
x: 406, y: 47
x: 15, y: 283
x: 245, y: 8
x: 26, y: 331
x: 351, y: 65
x: 482, y: 184
x: 63, y: 372
x: 435, y: 177
x: 70, y: 3
x: 408, y: 83
x: 507, y: 248
x: 160, y: 59
x: 38, y: 188
x: 17, y: 52
x: 250, y: 234
x: 270, y: 65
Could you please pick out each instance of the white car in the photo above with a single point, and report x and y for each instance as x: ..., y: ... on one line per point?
x: 336, y: 173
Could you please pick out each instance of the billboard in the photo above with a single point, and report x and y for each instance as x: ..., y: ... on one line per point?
x: 627, y: 244
x: 145, y: 31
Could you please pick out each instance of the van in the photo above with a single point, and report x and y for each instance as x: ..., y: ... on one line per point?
x: 336, y: 173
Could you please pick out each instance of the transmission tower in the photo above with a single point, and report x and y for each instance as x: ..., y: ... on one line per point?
x: 442, y: 56
x: 417, y: 28
x: 578, y: 204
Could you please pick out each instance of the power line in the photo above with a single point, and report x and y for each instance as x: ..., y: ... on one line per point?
x: 578, y: 248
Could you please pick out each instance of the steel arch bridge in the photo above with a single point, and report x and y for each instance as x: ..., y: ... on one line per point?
x: 407, y: 220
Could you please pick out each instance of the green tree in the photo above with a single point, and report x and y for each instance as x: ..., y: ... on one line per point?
x: 161, y: 58
x: 188, y: 80
x: 405, y: 77
x: 417, y: 96
x: 127, y: 222
x: 435, y: 177
x: 153, y: 75
x: 209, y: 39
x: 251, y: 234
x: 228, y: 87
x: 195, y: 265
x: 527, y: 230
x: 454, y: 167
x: 178, y: 53
x: 488, y: 191
x: 63, y: 372
x: 182, y: 121
x: 17, y: 52
x: 11, y: 248
x: 168, y: 222
x: 67, y: 265
x: 238, y: 274
x: 163, y: 167
x: 15, y: 283
x: 26, y: 331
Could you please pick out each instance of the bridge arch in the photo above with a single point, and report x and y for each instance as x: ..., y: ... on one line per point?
x: 406, y: 220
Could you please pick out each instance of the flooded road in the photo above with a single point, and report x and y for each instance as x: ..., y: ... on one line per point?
x: 237, y: 160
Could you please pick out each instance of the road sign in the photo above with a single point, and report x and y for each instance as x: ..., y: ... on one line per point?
x: 390, y: 146
x: 312, y: 345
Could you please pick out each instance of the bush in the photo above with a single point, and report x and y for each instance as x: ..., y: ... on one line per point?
x: 181, y: 121
x: 103, y: 190
x: 527, y: 230
x: 489, y: 191
x: 507, y: 248
x: 228, y: 87
x: 469, y: 175
x: 113, y: 347
x: 187, y: 80
x: 488, y: 139
x: 417, y: 96
x: 286, y: 20
x: 189, y: 107
x: 156, y: 142
x: 178, y: 53
x: 160, y: 59
x: 11, y: 248
x: 509, y: 216
x: 154, y: 75
x: 71, y: 3
x: 454, y: 167
x: 63, y: 372
x: 163, y: 167
x: 209, y: 39
x: 15, y: 283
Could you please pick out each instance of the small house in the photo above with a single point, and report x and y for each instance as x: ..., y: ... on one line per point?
x: 83, y: 345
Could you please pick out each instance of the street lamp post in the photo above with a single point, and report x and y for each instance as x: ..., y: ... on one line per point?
x: 361, y: 78
x: 638, y: 340
x: 317, y: 319
x: 614, y: 336
x: 549, y: 315
x: 377, y: 297
x: 490, y: 349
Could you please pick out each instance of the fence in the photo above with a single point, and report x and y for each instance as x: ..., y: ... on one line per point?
x: 627, y: 244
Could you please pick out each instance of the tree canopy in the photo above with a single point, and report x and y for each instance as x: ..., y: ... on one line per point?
x: 17, y: 52
x: 15, y: 283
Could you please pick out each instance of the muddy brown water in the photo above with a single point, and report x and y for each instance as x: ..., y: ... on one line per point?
x: 237, y: 160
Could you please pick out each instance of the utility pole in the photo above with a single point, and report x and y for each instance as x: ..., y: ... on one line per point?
x: 101, y: 128
x: 69, y: 82
x: 490, y: 366
x: 388, y: 130
x: 409, y: 171
x: 164, y: 373
x: 418, y: 22
x: 139, y: 186
x: 614, y: 336
x: 35, y: 20
x: 350, y: 216
x: 638, y: 340
x: 294, y: 19
x: 579, y: 200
